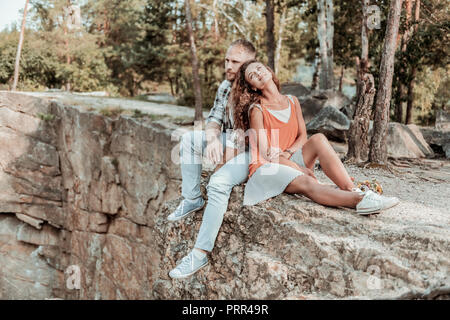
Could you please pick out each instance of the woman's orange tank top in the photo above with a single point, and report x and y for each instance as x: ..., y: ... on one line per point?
x: 279, y: 135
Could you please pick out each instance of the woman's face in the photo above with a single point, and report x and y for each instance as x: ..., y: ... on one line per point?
x: 257, y: 75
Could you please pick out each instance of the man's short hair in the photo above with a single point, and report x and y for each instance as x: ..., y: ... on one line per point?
x: 245, y: 44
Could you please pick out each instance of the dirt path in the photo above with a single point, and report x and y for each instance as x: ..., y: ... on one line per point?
x: 423, y: 186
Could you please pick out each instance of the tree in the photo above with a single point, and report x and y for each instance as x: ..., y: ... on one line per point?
x: 197, y: 87
x: 325, y: 34
x: 19, y: 47
x: 409, y: 105
x: 270, y: 36
x: 358, y: 141
x: 400, y: 94
x: 378, y: 151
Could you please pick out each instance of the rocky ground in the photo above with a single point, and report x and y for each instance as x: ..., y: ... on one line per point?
x: 79, y: 189
x: 87, y: 102
x: 424, y: 182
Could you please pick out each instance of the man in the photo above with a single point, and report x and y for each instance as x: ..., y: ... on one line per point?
x: 233, y: 172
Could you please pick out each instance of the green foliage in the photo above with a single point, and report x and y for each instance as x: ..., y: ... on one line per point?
x: 127, y: 46
x: 46, y: 116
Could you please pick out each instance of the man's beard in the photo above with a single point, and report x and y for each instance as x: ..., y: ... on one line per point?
x: 230, y: 77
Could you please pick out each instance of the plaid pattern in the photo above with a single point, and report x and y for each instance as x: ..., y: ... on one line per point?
x: 217, y: 113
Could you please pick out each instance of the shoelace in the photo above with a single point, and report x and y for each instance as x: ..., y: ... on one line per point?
x: 180, y: 212
x: 187, y: 261
x: 373, y: 196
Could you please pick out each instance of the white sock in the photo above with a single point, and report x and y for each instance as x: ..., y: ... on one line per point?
x: 198, y: 254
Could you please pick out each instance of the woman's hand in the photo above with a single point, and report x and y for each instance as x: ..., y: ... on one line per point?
x: 286, y: 155
x: 294, y: 165
x: 273, y: 154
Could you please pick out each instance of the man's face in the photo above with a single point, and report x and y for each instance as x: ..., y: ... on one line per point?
x: 234, y: 58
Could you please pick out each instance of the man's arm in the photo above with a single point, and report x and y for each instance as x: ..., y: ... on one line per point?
x: 214, y: 122
x: 212, y: 130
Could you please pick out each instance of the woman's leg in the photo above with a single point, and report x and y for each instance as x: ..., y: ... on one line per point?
x: 318, y: 147
x: 324, y: 195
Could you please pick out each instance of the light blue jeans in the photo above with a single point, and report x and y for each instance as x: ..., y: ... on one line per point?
x: 233, y: 173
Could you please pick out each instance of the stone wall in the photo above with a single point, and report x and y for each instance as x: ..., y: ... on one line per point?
x: 79, y: 189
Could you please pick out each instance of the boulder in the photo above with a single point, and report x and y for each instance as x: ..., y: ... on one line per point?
x: 446, y: 149
x: 314, y: 102
x: 295, y: 89
x: 406, y: 141
x: 331, y: 122
x: 438, y: 140
x: 335, y: 99
x: 311, y: 106
x: 442, y: 120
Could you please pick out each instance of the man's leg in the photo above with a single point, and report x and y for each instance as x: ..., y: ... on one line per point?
x: 219, y: 188
x: 192, y: 146
x: 233, y: 173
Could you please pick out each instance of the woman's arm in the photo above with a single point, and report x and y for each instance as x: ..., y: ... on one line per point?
x: 258, y: 134
x: 302, y: 136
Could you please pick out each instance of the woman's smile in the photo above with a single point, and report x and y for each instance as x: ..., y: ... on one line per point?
x: 258, y: 75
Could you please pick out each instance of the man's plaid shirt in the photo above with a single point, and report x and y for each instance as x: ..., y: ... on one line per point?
x: 217, y: 113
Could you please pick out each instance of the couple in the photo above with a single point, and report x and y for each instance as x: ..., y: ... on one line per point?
x: 282, y: 157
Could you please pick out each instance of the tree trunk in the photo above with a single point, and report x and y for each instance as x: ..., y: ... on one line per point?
x: 400, y: 83
x: 341, y: 78
x: 330, y: 33
x: 19, y: 48
x: 364, y: 33
x: 280, y: 38
x: 270, y: 21
x: 315, y: 78
x: 66, y: 41
x: 363, y: 63
x: 358, y: 135
x: 410, y: 102
x: 325, y: 31
x: 197, y: 87
x: 68, y: 60
x: 378, y: 151
x: 216, y: 22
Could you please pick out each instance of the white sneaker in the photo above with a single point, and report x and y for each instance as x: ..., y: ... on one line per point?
x: 357, y: 190
x: 373, y: 202
x: 186, y: 207
x: 189, y: 265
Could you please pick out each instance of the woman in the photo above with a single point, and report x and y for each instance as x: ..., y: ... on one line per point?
x: 282, y: 156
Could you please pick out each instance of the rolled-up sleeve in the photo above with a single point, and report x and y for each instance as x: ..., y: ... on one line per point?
x: 217, y: 112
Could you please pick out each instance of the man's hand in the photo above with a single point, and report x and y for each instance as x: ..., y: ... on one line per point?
x: 230, y: 153
x: 214, y: 147
x: 214, y: 150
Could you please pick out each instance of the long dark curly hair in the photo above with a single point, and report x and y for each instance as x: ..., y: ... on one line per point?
x: 244, y: 96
